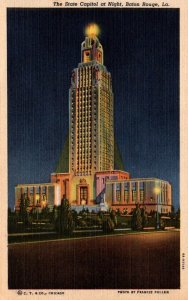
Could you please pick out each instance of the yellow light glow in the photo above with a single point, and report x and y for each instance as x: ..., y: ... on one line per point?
x: 157, y: 190
x: 92, y: 30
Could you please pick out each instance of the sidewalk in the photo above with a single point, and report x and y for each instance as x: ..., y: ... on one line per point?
x: 30, y: 233
x: 152, y: 229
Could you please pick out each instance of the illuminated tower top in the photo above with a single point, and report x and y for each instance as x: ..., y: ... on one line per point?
x: 91, y: 49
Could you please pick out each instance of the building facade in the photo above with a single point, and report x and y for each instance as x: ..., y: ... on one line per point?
x: 152, y: 193
x: 91, y: 128
x: 38, y: 195
x: 91, y: 179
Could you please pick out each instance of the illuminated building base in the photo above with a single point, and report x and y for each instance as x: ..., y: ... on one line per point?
x: 151, y: 193
x: 86, y: 190
x: 100, y: 192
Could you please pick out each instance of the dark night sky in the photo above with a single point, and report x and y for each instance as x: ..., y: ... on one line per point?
x: 141, y: 50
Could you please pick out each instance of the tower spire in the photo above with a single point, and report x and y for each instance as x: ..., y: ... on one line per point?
x: 91, y: 49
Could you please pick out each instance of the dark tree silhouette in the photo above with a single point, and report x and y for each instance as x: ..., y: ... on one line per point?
x: 113, y: 217
x: 23, y: 213
x: 108, y: 225
x: 136, y: 220
x: 64, y: 221
x: 144, y: 217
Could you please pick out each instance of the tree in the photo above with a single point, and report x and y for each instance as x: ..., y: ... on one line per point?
x: 136, y: 220
x: 125, y: 212
x: 53, y: 215
x: 75, y: 216
x: 118, y: 212
x: 178, y: 213
x: 24, y: 203
x: 64, y: 221
x: 172, y: 214
x: 12, y: 220
x: 9, y: 212
x: 108, y: 225
x: 100, y: 215
x: 144, y: 217
x: 113, y: 217
x: 177, y: 218
x: 45, y: 213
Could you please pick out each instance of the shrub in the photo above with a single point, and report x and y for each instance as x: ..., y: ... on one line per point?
x: 144, y: 217
x: 136, y: 219
x: 108, y: 225
x: 64, y: 221
x: 113, y: 218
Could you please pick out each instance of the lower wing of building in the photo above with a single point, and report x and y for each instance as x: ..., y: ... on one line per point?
x: 113, y: 188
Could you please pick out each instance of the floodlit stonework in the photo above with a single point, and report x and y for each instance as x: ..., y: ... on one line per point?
x: 92, y: 179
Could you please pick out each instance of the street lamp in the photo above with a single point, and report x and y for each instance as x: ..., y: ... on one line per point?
x: 157, y: 191
x: 83, y: 202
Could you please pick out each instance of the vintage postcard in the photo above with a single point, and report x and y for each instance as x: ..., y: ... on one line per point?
x: 93, y: 149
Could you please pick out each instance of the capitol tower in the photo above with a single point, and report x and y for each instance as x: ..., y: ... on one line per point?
x: 91, y: 127
x: 91, y: 138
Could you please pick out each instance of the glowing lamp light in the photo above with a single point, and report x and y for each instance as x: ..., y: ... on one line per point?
x: 92, y: 30
x: 83, y: 202
x: 157, y: 190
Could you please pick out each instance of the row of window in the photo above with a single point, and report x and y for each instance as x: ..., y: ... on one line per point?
x: 107, y: 111
x: 106, y: 154
x: 83, y: 106
x: 84, y: 120
x: 85, y: 79
x: 133, y: 189
x: 85, y: 135
x: 84, y: 142
x: 107, y: 118
x: 107, y: 114
x: 106, y: 157
x: 105, y: 82
x: 84, y: 69
x: 82, y: 84
x: 130, y: 185
x: 81, y: 95
x: 85, y: 75
x: 106, y: 86
x: 84, y: 90
x: 83, y: 98
x: 84, y: 128
x: 106, y: 91
x: 83, y: 116
x: 78, y: 173
x: 84, y: 72
x: 84, y: 155
x: 104, y: 147
x: 36, y: 189
x: 82, y: 158
x: 126, y: 197
x: 86, y: 139
x: 80, y: 152
x: 84, y: 147
x: 84, y: 110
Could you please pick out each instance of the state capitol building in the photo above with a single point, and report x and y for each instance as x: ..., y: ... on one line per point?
x: 92, y: 180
